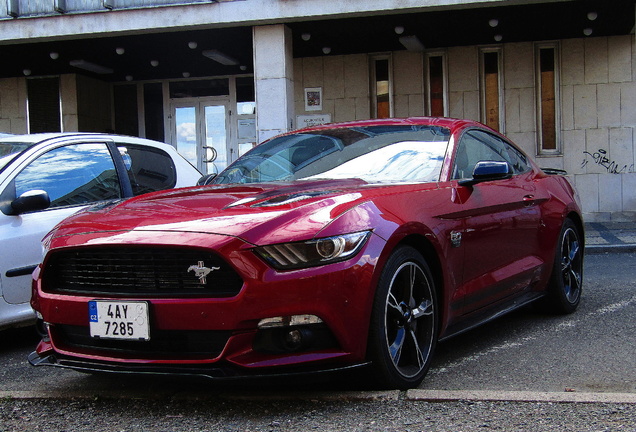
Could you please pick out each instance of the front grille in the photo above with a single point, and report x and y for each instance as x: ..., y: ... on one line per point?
x: 163, y: 344
x: 139, y: 272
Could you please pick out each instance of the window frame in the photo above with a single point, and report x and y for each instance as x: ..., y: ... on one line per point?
x: 541, y: 150
x: 35, y: 104
x: 500, y: 87
x: 427, y: 83
x: 373, y: 83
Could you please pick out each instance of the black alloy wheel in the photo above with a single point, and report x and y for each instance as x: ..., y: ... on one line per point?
x: 566, y: 283
x: 404, y: 324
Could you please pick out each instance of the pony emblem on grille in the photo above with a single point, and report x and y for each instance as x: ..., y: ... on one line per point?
x: 201, y: 271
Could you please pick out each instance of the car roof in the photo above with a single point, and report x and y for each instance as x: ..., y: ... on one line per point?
x: 450, y: 123
x: 42, y: 137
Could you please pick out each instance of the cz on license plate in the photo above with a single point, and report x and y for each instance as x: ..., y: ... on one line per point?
x: 119, y: 319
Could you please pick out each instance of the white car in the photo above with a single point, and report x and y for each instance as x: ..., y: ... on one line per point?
x: 46, y: 177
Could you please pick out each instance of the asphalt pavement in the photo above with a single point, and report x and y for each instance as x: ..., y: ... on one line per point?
x: 601, y: 237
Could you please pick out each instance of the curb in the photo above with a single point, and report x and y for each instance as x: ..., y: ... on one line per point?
x: 621, y: 248
x: 414, y: 395
x: 519, y: 396
x: 255, y: 396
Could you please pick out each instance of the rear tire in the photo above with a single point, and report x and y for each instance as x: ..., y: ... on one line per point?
x: 566, y: 282
x: 404, y: 322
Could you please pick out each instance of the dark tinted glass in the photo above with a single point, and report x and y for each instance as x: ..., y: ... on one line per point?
x: 149, y: 169
x: 477, y: 146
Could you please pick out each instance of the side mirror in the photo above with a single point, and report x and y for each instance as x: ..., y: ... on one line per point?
x: 206, y: 179
x: 31, y: 201
x: 488, y: 171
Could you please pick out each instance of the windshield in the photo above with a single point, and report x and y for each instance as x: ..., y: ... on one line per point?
x: 9, y: 150
x: 372, y: 153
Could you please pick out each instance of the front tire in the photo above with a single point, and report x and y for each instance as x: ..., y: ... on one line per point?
x: 566, y: 281
x: 404, y: 322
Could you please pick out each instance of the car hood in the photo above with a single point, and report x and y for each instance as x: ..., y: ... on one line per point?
x: 256, y: 213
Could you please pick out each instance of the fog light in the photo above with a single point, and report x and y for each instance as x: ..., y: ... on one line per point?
x: 293, y: 339
x: 298, y: 339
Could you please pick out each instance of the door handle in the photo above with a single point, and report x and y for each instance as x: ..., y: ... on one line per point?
x: 528, y: 200
x: 211, y: 158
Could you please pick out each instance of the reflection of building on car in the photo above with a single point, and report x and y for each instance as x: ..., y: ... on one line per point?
x: 44, y: 178
x: 365, y: 256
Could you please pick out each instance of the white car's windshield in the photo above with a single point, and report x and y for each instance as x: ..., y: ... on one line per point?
x: 372, y: 153
x: 9, y: 150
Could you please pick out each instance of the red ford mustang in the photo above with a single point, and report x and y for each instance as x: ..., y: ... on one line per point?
x: 345, y: 245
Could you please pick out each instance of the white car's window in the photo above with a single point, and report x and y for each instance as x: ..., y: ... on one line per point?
x: 9, y: 150
x: 72, y: 175
x: 149, y: 169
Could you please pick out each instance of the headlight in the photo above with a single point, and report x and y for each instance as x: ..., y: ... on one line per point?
x: 286, y: 256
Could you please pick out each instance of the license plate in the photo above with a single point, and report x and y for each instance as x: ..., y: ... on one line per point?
x: 119, y: 319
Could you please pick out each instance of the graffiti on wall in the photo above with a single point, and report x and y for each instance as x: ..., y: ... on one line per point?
x: 601, y: 158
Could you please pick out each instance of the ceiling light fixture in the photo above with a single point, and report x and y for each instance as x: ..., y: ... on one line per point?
x: 129, y: 78
x: 493, y: 22
x: 186, y: 74
x: 412, y: 43
x: 220, y: 57
x: 192, y: 45
x: 498, y: 38
x: 588, y: 31
x: 54, y: 55
x: 120, y: 50
x: 398, y: 30
x: 243, y: 67
x: 592, y: 16
x: 326, y: 50
x: 91, y: 67
x: 305, y: 36
x: 26, y: 72
x: 154, y: 63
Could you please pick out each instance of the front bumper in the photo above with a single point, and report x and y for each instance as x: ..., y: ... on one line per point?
x: 340, y: 294
x: 215, y: 373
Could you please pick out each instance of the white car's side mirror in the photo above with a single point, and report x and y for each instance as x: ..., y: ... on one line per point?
x: 31, y: 201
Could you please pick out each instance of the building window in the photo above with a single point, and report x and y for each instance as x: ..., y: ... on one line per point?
x: 43, y: 105
x: 547, y: 98
x: 382, y: 103
x: 492, y: 89
x: 199, y: 88
x: 126, y: 109
x: 436, y: 85
x: 153, y: 111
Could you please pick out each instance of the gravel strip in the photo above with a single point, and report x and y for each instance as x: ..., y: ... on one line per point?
x: 229, y: 415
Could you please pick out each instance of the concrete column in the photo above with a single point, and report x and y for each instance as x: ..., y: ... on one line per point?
x: 273, y: 80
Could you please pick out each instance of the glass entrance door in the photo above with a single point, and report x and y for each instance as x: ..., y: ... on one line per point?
x: 202, y: 135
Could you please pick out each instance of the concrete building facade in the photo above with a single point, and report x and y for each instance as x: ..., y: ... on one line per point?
x: 557, y: 77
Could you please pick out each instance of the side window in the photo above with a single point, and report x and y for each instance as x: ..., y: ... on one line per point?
x: 149, y: 169
x: 72, y: 175
x: 476, y: 146
x: 514, y: 157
